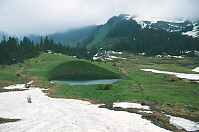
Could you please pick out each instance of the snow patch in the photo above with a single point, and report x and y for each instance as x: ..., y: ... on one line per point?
x: 142, y: 54
x: 180, y: 75
x: 30, y: 82
x: 18, y: 86
x: 178, y: 57
x: 145, y: 111
x: 194, y: 32
x: 155, y: 19
x: 130, y: 105
x: 95, y: 58
x: 184, y: 123
x: 196, y: 69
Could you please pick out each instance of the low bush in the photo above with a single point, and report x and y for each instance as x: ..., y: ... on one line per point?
x: 104, y: 87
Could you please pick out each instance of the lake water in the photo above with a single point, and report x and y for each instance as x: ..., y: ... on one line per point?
x: 82, y: 80
x: 88, y: 82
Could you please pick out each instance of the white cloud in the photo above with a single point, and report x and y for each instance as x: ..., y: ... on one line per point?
x: 22, y: 17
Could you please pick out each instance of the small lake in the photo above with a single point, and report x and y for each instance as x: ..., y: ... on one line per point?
x: 82, y: 80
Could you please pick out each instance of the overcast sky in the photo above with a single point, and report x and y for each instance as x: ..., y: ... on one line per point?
x: 23, y: 17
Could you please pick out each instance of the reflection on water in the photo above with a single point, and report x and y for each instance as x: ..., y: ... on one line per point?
x: 87, y: 82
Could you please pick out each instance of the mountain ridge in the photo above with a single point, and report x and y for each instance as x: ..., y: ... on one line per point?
x: 183, y: 26
x: 122, y: 33
x: 67, y: 37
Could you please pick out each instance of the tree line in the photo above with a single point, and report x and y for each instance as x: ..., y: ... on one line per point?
x: 12, y: 51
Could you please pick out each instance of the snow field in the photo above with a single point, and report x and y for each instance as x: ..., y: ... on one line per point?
x: 52, y: 114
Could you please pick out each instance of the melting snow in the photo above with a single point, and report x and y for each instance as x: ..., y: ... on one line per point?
x: 180, y: 75
x: 130, y: 105
x: 52, y: 114
x: 179, y: 57
x: 155, y: 19
x: 145, y: 111
x: 184, y: 123
x: 30, y: 82
x: 194, y: 32
x: 196, y: 69
x: 18, y: 86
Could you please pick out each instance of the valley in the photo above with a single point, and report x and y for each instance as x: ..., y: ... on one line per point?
x: 163, y: 93
x: 133, y: 72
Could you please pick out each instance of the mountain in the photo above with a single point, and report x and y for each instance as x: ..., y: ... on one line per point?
x: 184, y: 27
x: 67, y: 37
x: 128, y: 33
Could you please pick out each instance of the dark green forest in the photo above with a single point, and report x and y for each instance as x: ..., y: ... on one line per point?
x: 12, y: 51
x: 128, y: 35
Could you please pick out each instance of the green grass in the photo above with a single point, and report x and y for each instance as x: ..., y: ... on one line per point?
x: 83, y: 67
x: 159, y: 87
x: 162, y: 87
x: 117, y: 93
x: 135, y: 85
x: 6, y: 73
x: 46, y: 64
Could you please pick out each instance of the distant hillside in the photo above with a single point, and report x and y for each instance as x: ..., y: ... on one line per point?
x: 67, y: 37
x: 124, y: 33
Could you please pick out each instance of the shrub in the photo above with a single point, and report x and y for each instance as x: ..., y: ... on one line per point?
x: 17, y: 75
x: 108, y: 86
x: 104, y: 87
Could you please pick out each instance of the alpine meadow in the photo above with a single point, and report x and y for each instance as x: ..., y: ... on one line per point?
x: 111, y: 66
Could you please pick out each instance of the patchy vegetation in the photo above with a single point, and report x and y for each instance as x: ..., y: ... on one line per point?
x: 162, y: 92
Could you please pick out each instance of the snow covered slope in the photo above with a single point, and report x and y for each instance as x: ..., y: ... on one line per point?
x: 184, y: 27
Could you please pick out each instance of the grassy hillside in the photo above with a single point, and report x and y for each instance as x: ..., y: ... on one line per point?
x: 84, y: 68
x: 47, y: 64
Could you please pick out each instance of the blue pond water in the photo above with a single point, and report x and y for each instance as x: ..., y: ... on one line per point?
x: 87, y: 82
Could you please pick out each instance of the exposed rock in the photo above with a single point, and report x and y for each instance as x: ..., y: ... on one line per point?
x: 192, y: 107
